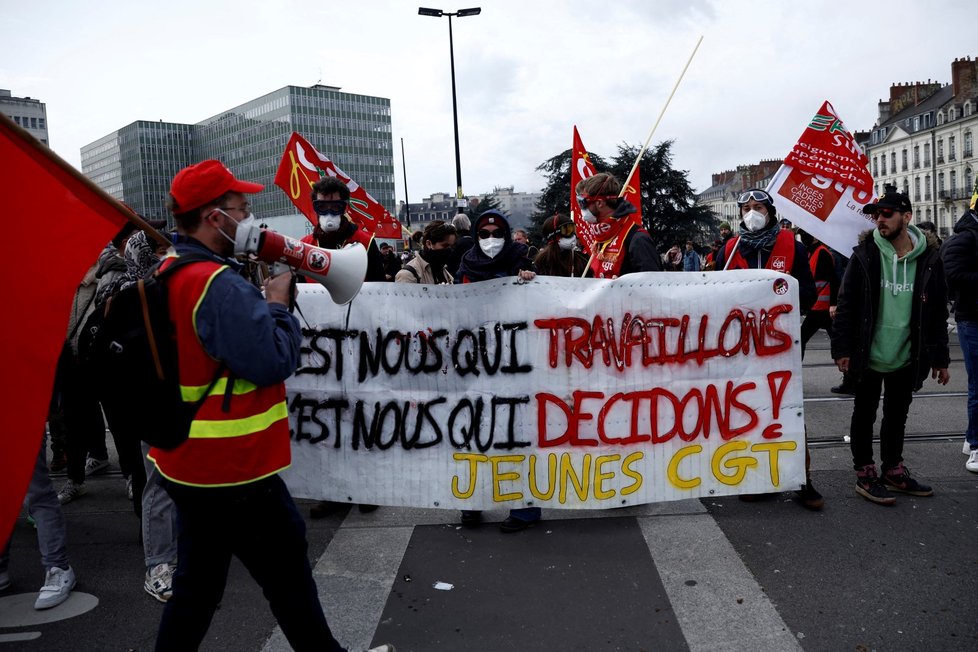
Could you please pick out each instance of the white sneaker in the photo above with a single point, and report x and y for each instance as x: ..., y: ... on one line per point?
x: 58, y: 584
x: 966, y: 449
x: 93, y: 466
x: 71, y: 491
x: 159, y: 581
x: 972, y: 463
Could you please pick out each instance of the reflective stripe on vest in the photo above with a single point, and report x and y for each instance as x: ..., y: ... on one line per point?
x: 822, y: 289
x: 250, y: 440
x: 782, y: 257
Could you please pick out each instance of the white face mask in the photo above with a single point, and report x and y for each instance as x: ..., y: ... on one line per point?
x: 330, y: 222
x: 589, y: 217
x: 754, y: 220
x: 567, y: 243
x: 492, y: 246
x: 245, y: 235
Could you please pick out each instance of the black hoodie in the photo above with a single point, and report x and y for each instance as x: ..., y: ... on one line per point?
x: 477, y: 266
x: 960, y: 256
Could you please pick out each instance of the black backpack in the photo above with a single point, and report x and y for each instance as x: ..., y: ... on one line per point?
x: 133, y: 352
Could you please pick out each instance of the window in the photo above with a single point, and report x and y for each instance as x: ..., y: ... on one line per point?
x: 954, y: 183
x: 940, y: 182
x: 927, y: 188
x: 916, y: 156
x: 916, y: 123
x: 906, y: 186
x: 916, y: 188
x: 940, y: 150
x: 940, y: 118
x: 926, y: 154
x: 876, y: 171
x: 903, y: 161
x: 967, y: 144
x: 883, y: 165
x: 893, y: 162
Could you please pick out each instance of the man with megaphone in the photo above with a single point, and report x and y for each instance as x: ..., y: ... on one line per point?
x: 224, y: 478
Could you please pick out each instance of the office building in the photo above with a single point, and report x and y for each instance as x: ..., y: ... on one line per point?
x: 27, y: 112
x: 137, y: 162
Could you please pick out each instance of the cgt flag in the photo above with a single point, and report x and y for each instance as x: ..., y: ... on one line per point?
x: 32, y: 177
x: 825, y: 182
x: 302, y: 166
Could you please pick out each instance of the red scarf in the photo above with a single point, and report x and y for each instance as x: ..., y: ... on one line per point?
x: 609, y: 239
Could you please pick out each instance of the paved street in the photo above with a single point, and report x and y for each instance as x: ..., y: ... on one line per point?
x: 717, y: 574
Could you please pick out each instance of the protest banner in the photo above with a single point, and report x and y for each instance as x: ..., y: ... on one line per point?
x: 302, y: 166
x: 825, y: 183
x: 563, y: 393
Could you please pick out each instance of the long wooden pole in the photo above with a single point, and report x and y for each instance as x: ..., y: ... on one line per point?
x: 31, y: 142
x: 638, y: 159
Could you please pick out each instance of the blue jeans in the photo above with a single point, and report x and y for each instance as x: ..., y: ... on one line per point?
x: 259, y: 524
x: 968, y: 336
x: 43, y: 506
x: 159, y: 518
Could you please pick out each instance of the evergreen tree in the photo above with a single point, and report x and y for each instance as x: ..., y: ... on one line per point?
x: 486, y: 203
x: 669, y: 208
x: 556, y: 194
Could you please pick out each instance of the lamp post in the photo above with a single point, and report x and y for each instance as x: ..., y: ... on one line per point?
x: 461, y: 13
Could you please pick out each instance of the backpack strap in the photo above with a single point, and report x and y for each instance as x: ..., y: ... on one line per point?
x: 417, y: 277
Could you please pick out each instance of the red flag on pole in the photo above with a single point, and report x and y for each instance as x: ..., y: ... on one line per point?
x: 581, y: 168
x: 302, y: 166
x: 41, y: 196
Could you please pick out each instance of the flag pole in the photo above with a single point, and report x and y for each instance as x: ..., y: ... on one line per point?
x: 34, y: 148
x: 659, y: 119
x: 624, y: 186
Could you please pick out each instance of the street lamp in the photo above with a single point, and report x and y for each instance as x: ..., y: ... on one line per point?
x: 461, y: 13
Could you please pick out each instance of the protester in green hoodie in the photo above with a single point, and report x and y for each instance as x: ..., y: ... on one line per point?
x: 890, y: 328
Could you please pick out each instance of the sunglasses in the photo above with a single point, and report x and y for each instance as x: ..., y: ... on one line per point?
x: 884, y: 212
x: 486, y: 233
x: 584, y: 200
x: 567, y: 230
x: 333, y: 207
x: 756, y: 195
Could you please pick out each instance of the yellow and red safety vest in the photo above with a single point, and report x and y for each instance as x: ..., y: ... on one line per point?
x: 782, y: 257
x: 248, y: 442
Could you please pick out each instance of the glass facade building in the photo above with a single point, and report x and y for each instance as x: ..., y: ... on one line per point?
x: 137, y: 163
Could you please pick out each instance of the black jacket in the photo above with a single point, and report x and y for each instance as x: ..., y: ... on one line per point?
x: 855, y: 317
x: 960, y: 257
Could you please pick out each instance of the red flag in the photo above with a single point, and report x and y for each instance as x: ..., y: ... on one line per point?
x: 633, y: 193
x: 581, y: 168
x: 42, y: 196
x: 826, y: 148
x: 302, y: 166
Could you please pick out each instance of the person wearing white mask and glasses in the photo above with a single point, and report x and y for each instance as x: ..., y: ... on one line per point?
x: 561, y: 256
x: 764, y: 244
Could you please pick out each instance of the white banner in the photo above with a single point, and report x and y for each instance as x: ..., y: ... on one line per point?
x: 829, y: 210
x: 560, y: 393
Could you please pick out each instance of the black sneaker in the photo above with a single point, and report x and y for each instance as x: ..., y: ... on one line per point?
x: 868, y: 486
x: 843, y: 388
x: 898, y: 479
x: 810, y: 498
x: 471, y: 518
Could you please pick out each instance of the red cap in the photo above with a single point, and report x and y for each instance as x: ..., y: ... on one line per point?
x: 198, y: 184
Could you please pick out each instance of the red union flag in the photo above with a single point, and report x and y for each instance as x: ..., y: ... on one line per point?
x: 825, y: 182
x: 302, y: 166
x: 581, y: 168
x: 828, y: 149
x: 31, y: 179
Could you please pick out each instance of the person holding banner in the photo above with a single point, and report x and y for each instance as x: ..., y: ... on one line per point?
x: 764, y: 244
x: 822, y: 265
x: 496, y: 255
x: 560, y: 256
x: 960, y: 256
x: 890, y: 329
x: 622, y: 246
x: 429, y: 266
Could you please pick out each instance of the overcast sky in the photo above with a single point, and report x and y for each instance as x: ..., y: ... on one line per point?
x: 527, y: 71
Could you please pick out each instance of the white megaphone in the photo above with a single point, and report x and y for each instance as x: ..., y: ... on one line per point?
x: 340, y: 271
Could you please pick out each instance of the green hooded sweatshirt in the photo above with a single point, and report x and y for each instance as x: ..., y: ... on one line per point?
x: 891, y: 337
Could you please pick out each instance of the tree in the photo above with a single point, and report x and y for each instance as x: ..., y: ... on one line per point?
x: 479, y: 205
x: 556, y: 194
x: 669, y: 210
